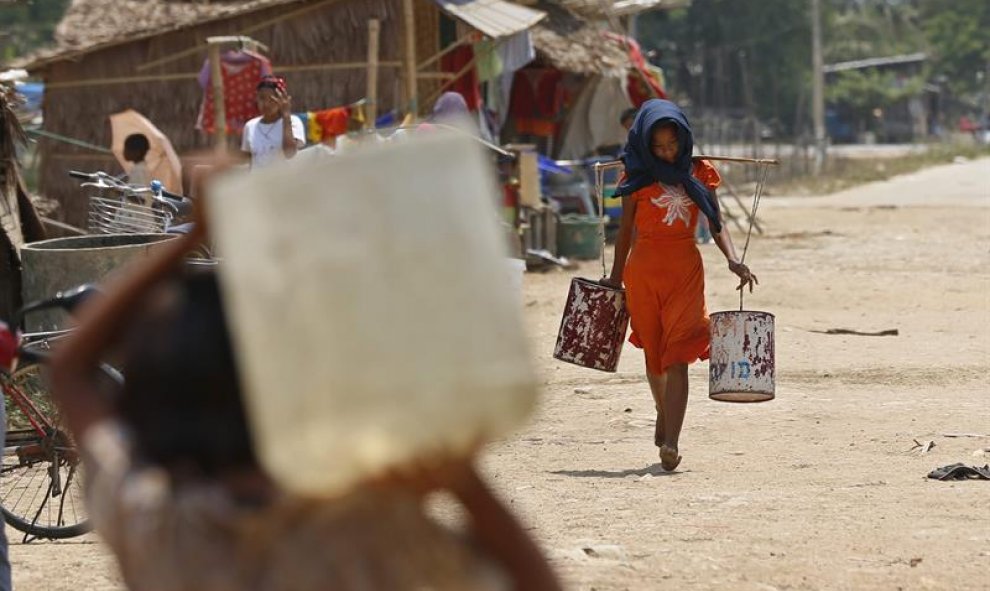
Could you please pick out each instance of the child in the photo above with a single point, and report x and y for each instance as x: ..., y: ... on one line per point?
x: 627, y: 118
x: 175, y: 488
x: 276, y: 135
x: 136, y: 148
x: 663, y: 193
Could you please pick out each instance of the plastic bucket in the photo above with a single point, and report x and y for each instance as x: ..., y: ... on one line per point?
x: 741, y: 368
x: 579, y: 237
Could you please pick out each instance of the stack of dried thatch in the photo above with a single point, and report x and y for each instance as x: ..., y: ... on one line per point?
x: 19, y: 222
x: 572, y: 44
x: 93, y: 22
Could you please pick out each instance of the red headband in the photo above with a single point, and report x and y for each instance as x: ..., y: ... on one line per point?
x: 275, y: 82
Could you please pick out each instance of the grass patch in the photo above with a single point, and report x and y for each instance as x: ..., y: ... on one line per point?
x: 843, y: 173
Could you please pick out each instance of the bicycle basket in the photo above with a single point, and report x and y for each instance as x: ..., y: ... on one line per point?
x: 124, y: 216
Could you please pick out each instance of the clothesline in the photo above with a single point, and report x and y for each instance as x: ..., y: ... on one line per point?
x: 68, y: 140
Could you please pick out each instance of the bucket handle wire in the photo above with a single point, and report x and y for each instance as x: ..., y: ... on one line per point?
x: 600, y: 193
x: 764, y: 163
x: 757, y: 194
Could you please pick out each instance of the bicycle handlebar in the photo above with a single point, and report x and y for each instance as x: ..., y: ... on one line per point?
x: 104, y: 180
x: 68, y: 300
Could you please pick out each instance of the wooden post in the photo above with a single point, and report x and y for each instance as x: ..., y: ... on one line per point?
x: 219, y: 113
x: 410, y: 57
x: 374, y: 29
x: 818, y: 86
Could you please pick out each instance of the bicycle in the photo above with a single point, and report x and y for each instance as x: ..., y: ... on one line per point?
x: 41, y: 493
x: 120, y: 208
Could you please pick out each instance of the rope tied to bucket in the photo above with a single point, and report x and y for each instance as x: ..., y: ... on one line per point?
x: 757, y: 194
x: 765, y: 163
x: 600, y: 192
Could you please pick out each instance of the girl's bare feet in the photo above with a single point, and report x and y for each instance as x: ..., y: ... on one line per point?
x: 669, y: 458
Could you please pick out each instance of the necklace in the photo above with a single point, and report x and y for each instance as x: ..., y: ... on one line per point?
x: 266, y: 129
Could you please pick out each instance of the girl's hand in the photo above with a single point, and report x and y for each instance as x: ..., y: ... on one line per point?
x: 745, y: 276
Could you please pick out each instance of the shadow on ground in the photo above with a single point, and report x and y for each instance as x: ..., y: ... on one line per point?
x: 652, y: 470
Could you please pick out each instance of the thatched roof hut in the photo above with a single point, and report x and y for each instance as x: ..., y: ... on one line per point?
x: 572, y: 44
x: 109, y: 57
x: 19, y: 222
x: 106, y: 51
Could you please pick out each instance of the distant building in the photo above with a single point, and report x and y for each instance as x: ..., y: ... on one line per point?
x: 905, y: 120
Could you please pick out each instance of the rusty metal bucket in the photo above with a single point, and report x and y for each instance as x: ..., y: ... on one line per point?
x: 593, y: 327
x: 741, y: 368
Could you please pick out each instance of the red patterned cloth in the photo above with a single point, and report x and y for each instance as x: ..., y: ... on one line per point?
x: 538, y: 99
x: 242, y: 70
x: 467, y: 84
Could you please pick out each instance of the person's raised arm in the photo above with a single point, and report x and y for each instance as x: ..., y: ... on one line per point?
x: 289, y: 145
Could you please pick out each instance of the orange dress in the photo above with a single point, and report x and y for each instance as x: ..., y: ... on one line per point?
x: 664, y: 275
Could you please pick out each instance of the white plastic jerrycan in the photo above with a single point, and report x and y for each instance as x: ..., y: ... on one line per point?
x: 369, y: 309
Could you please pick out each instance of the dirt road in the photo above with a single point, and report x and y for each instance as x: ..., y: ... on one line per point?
x: 815, y: 490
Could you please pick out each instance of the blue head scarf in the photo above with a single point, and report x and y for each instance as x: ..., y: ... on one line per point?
x: 644, y: 169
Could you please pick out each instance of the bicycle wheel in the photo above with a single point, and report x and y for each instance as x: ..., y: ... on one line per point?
x: 41, y: 488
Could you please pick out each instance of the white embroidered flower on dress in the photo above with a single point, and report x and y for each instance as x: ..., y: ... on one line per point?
x: 676, y: 202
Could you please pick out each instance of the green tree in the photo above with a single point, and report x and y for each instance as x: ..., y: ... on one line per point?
x: 958, y: 33
x: 733, y: 54
x: 26, y: 25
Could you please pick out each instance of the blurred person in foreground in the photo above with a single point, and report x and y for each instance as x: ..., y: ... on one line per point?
x: 175, y: 488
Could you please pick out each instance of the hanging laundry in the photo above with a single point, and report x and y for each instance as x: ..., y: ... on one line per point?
x: 314, y: 133
x: 332, y: 122
x: 304, y: 117
x: 467, y: 83
x: 538, y: 99
x: 488, y: 63
x: 387, y: 120
x: 357, y: 114
x: 514, y: 53
x: 241, y: 72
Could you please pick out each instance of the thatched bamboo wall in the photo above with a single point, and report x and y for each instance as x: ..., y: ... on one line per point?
x: 333, y: 33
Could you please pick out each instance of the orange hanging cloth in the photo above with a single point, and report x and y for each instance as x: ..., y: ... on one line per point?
x: 332, y: 122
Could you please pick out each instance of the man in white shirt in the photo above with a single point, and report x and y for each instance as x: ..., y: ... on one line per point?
x: 277, y: 135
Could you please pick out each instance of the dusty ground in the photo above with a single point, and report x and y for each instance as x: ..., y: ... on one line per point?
x: 815, y: 490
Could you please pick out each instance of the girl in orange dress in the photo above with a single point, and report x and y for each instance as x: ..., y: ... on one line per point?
x: 664, y: 190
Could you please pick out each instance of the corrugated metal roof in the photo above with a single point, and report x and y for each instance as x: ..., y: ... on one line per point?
x: 876, y: 62
x: 495, y: 18
x: 600, y: 8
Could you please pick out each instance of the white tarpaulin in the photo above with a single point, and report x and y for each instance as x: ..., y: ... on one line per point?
x: 594, y: 119
x: 495, y: 18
